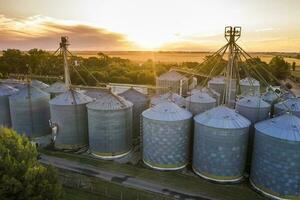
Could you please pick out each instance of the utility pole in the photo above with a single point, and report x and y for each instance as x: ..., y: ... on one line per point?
x: 64, y: 51
x: 232, y: 34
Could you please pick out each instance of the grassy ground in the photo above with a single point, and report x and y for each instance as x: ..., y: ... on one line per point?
x: 75, y: 194
x: 296, y: 73
x: 176, y: 180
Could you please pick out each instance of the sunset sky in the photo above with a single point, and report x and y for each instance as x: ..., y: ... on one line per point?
x: 189, y: 25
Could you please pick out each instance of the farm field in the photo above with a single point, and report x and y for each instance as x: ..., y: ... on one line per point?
x: 177, y: 57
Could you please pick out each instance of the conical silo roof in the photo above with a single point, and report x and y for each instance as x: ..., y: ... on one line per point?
x: 249, y: 81
x: 28, y: 92
x: 95, y: 93
x: 133, y: 95
x: 6, y: 90
x: 110, y: 102
x: 200, y: 97
x: 57, y: 87
x: 286, y: 127
x: 292, y: 105
x: 270, y: 96
x: 222, y: 117
x: 172, y: 76
x: 167, y: 111
x: 70, y: 97
x: 253, y: 102
x: 39, y: 84
x: 169, y: 96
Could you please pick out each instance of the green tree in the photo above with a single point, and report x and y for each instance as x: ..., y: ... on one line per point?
x: 279, y: 67
x: 294, y: 66
x: 21, y: 175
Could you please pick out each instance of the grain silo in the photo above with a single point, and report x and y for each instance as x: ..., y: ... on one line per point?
x: 29, y: 110
x: 169, y: 96
x: 199, y: 102
x: 5, y: 92
x: 275, y: 169
x: 220, y: 144
x: 291, y: 105
x: 110, y: 126
x: 270, y: 96
x: 39, y: 84
x: 69, y: 114
x: 15, y: 83
x: 172, y: 81
x: 218, y: 85
x: 56, y: 88
x: 140, y: 103
x: 249, y: 86
x: 166, y: 136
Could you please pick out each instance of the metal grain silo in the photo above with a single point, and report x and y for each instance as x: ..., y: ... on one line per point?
x: 166, y: 136
x: 292, y: 105
x: 199, y: 102
x: 217, y: 84
x: 39, y: 84
x: 56, y: 88
x: 140, y: 103
x: 14, y: 83
x: 249, y: 86
x: 110, y: 126
x: 68, y: 112
x: 271, y: 97
x: 172, y: 81
x: 220, y: 144
x: 275, y: 169
x: 29, y: 110
x: 5, y: 92
x: 169, y: 96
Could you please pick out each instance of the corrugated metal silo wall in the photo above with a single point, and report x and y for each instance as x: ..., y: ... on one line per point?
x: 72, y: 125
x: 138, y: 108
x: 248, y: 90
x: 30, y: 118
x: 275, y: 166
x: 280, y: 111
x: 254, y: 115
x: 196, y: 108
x: 165, y: 85
x: 110, y: 132
x: 166, y: 144
x: 4, y: 112
x: 220, y: 88
x: 220, y: 153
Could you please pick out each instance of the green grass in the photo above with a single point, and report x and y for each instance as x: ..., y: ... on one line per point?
x: 296, y: 74
x: 176, y: 180
x: 76, y: 194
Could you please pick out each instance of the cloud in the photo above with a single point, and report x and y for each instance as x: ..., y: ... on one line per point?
x: 44, y: 32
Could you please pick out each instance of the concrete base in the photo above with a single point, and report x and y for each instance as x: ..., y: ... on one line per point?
x: 165, y: 169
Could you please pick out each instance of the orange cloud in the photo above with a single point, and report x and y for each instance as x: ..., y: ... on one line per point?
x: 43, y: 32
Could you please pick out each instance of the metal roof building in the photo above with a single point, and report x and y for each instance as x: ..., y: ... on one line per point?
x: 110, y: 126
x: 69, y: 113
x: 276, y: 157
x: 220, y: 144
x: 166, y: 136
x: 172, y: 81
x: 29, y: 111
x: 5, y: 92
x: 140, y: 103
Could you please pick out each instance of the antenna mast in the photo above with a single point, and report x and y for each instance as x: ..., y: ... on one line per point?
x: 232, y: 34
x: 64, y: 51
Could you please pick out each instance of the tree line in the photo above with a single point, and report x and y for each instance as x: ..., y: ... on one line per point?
x: 118, y: 70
